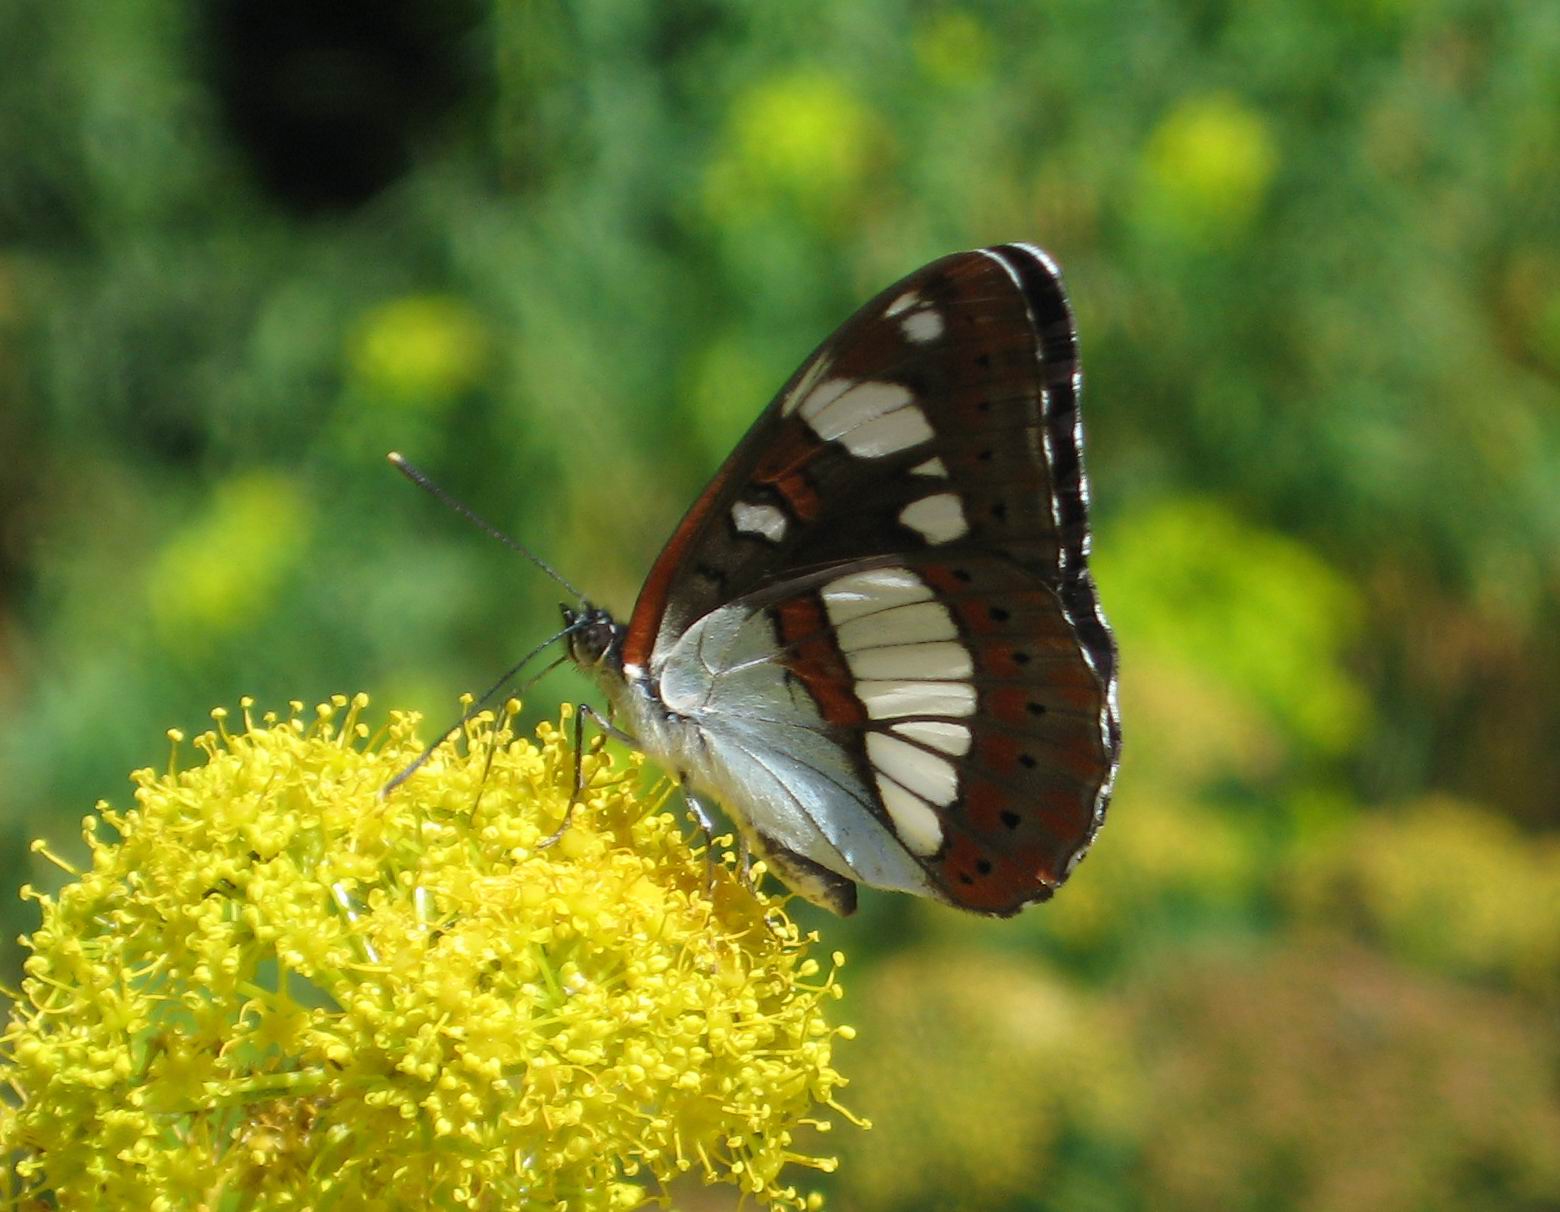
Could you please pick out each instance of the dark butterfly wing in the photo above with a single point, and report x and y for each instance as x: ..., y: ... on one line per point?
x: 935, y: 433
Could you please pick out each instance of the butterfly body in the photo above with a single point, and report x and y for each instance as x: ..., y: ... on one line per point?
x: 874, y: 639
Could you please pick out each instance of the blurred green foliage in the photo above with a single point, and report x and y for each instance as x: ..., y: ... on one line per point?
x: 560, y: 255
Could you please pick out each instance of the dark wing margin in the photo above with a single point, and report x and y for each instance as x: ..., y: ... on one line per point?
x: 1038, y: 278
x: 1040, y: 281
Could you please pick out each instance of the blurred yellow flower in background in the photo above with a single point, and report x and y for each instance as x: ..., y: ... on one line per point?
x: 420, y: 350
x: 223, y: 569
x: 278, y: 988
x: 800, y: 140
x: 1207, y: 167
x: 1242, y: 608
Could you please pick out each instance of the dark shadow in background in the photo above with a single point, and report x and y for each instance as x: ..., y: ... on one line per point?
x: 330, y: 101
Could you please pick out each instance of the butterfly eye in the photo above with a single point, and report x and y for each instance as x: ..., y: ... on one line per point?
x: 594, y: 637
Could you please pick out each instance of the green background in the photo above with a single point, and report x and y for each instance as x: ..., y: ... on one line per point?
x: 561, y: 255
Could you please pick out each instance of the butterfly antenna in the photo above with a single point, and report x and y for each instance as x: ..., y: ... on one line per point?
x: 488, y: 696
x: 422, y: 481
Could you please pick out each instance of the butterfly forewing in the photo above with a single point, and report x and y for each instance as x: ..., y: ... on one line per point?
x: 937, y: 377
x: 908, y: 521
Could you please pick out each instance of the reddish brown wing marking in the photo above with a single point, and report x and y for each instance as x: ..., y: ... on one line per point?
x: 651, y: 606
x: 811, y: 653
x: 783, y: 467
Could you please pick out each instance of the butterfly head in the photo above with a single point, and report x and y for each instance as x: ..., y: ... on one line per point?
x: 594, y: 637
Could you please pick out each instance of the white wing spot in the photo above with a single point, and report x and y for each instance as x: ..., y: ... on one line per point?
x: 932, y: 467
x: 871, y: 419
x: 818, y: 407
x: 765, y: 520
x: 914, y: 623
x: 821, y: 396
x: 907, y: 300
x: 838, y: 404
x: 895, y: 431
x: 891, y: 698
x: 944, y: 660
x: 868, y: 592
x: 939, y: 518
x: 931, y: 777
x: 914, y: 820
x: 923, y: 326
x: 939, y: 734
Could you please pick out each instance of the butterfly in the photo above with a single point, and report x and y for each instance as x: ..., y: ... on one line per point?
x: 874, y: 639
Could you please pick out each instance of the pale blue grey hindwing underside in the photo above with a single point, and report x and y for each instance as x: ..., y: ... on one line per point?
x: 762, y: 746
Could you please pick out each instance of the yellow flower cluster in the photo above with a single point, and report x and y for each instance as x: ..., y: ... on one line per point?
x: 280, y: 988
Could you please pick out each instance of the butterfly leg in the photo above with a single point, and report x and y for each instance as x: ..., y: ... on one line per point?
x: 604, y: 723
x: 701, y: 813
x: 706, y: 823
x: 745, y: 863
x: 577, y: 796
x: 700, y: 810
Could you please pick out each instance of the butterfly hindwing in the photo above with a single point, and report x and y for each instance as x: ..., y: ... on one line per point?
x: 952, y: 704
